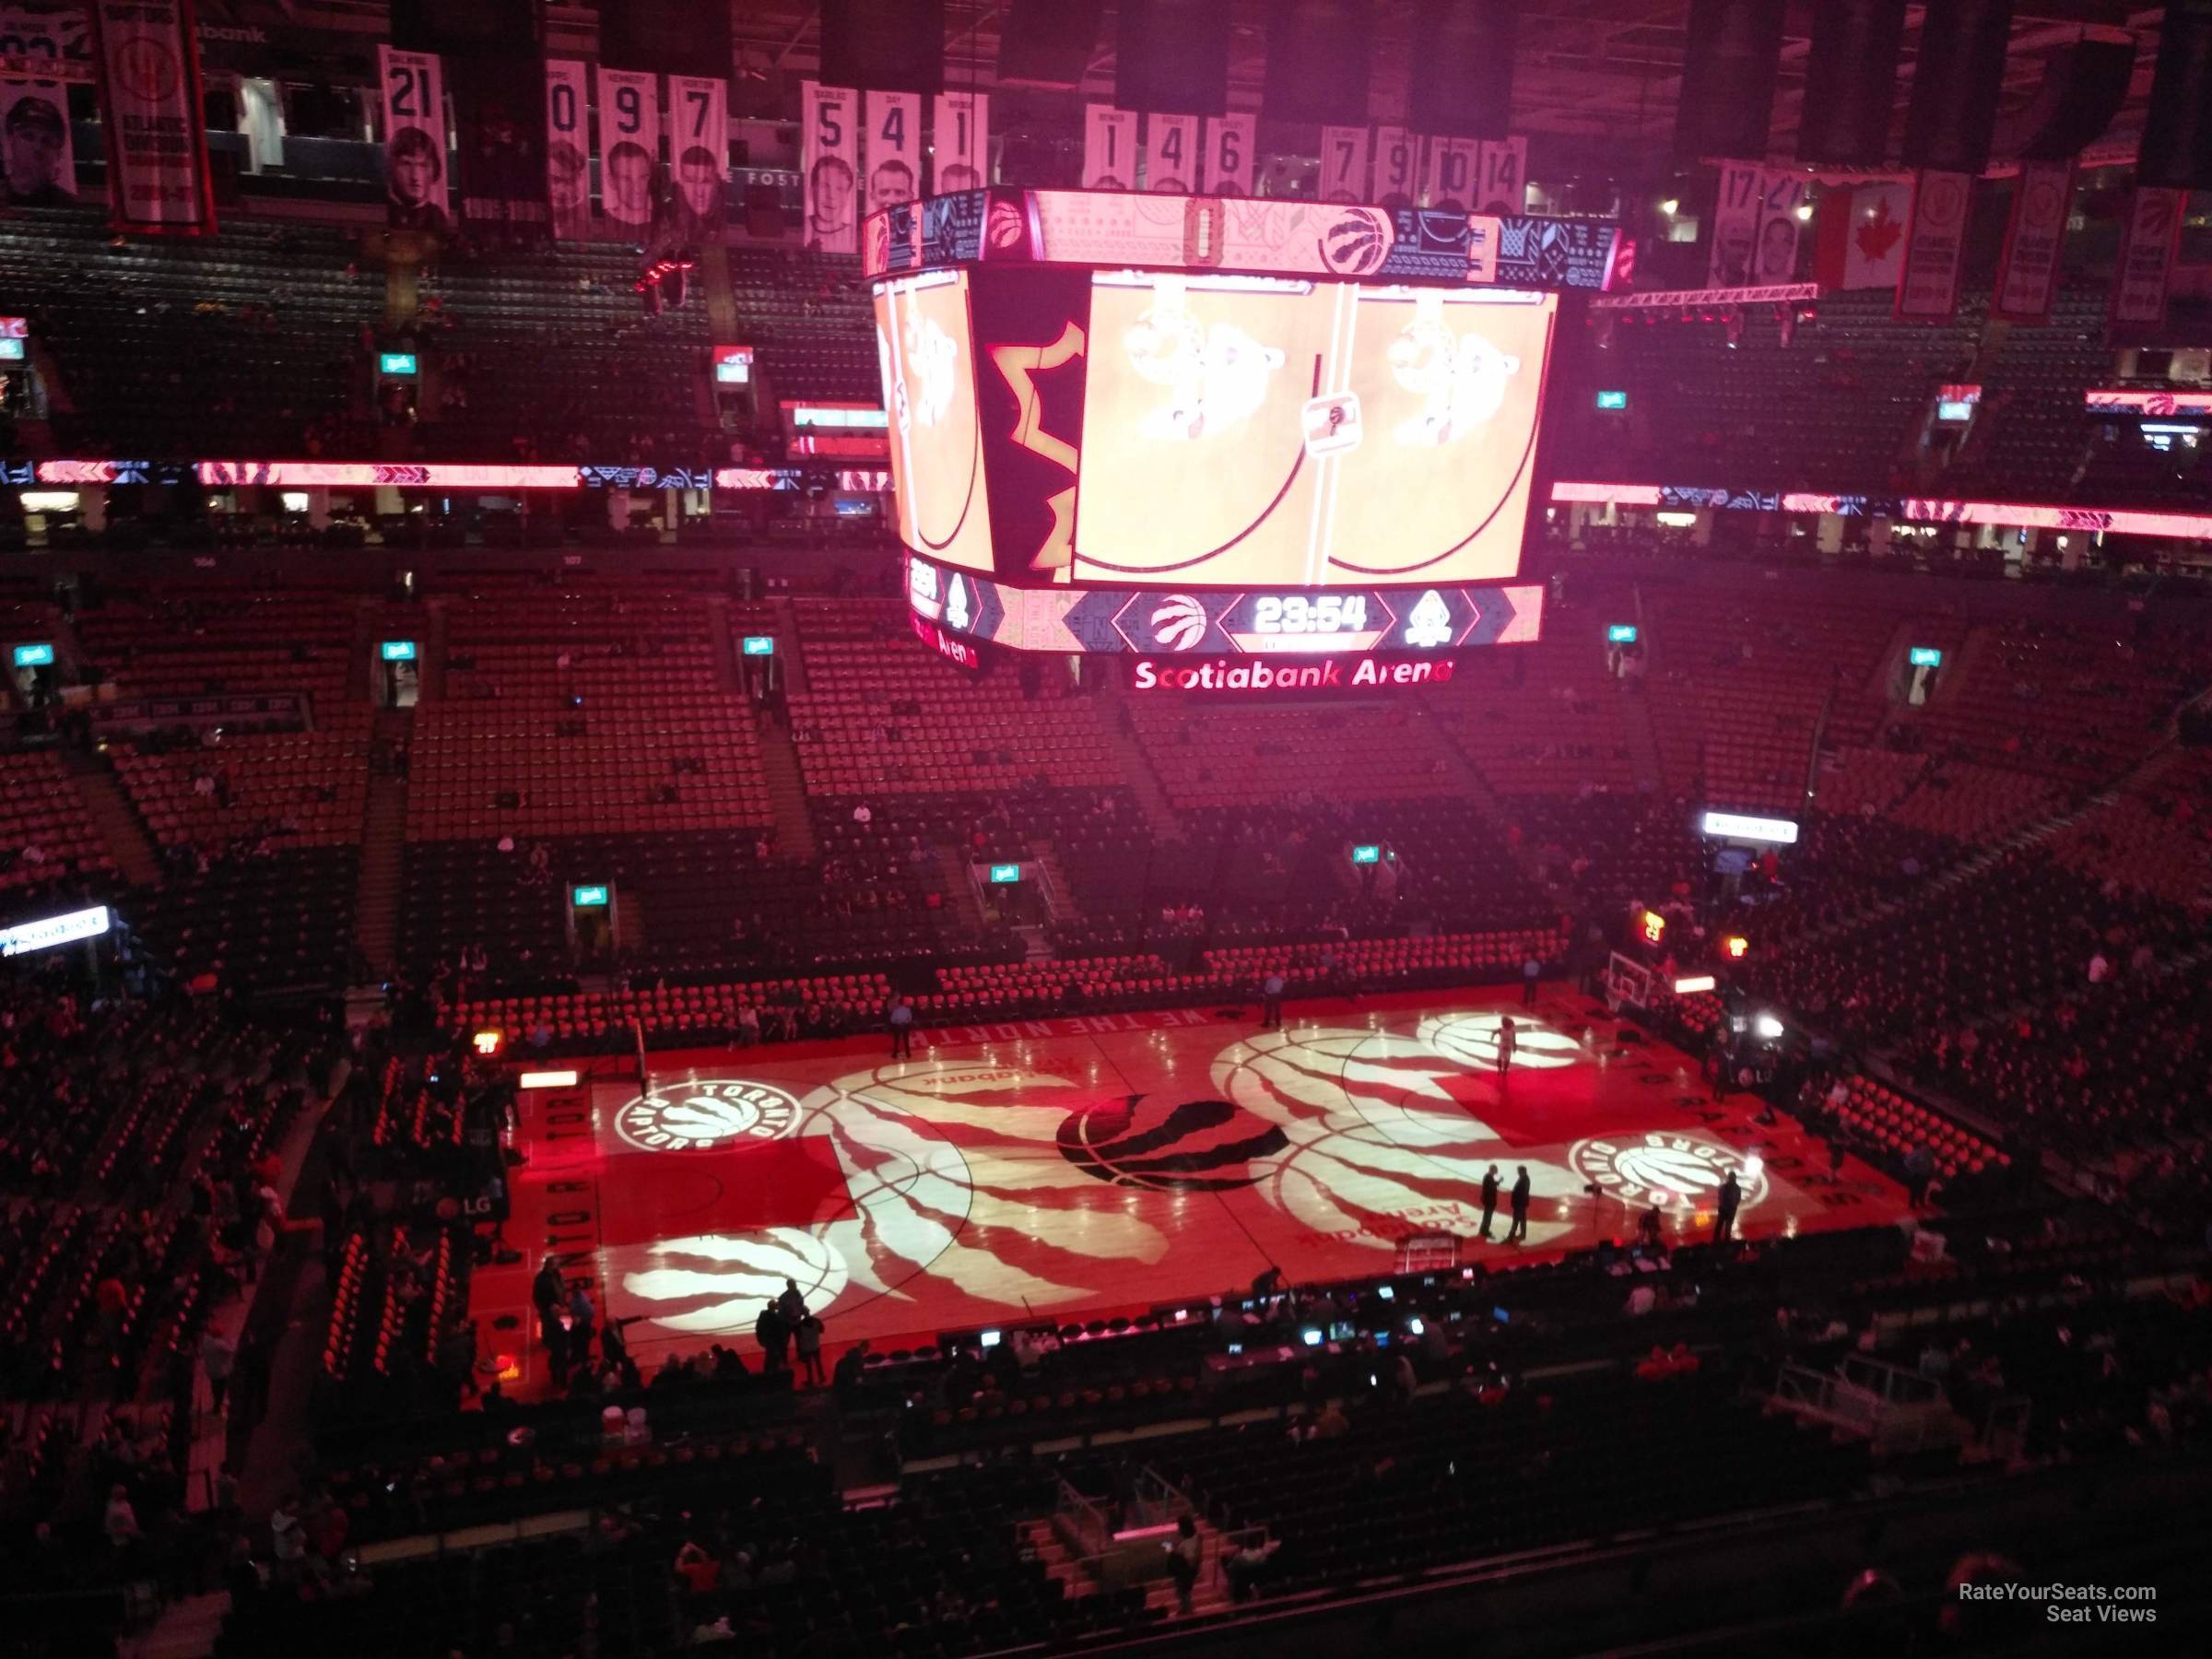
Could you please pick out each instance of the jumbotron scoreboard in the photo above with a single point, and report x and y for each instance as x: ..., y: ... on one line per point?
x: 1237, y: 441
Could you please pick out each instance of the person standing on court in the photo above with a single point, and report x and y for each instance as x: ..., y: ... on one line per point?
x: 547, y: 1294
x: 808, y: 1335
x: 1519, y: 1230
x: 1531, y: 969
x: 1271, y: 1001
x: 902, y: 1029
x: 1490, y: 1198
x: 774, y: 1337
x: 1731, y: 1199
x: 1505, y: 1044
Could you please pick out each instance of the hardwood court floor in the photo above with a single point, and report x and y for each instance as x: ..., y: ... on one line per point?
x: 1075, y: 1166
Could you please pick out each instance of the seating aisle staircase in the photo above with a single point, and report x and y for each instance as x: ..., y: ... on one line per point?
x: 786, y: 790
x: 114, y: 817
x: 1644, y: 744
x: 1134, y: 769
x: 383, y: 850
x: 1078, y: 1580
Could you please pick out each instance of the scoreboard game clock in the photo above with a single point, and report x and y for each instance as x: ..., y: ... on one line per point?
x: 1184, y: 425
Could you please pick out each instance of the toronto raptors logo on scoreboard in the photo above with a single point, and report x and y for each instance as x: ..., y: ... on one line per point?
x: 1671, y: 1170
x: 707, y: 1115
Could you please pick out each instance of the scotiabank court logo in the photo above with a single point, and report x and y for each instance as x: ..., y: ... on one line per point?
x: 707, y: 1115
x: 1258, y: 678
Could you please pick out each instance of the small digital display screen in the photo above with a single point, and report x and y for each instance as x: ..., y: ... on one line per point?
x: 589, y: 898
x: 395, y: 362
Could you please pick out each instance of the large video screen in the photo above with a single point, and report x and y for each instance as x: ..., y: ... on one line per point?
x: 925, y: 346
x: 1207, y: 429
x: 1256, y: 431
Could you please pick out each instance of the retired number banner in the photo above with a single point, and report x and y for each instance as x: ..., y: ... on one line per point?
x: 960, y: 142
x: 149, y: 82
x: 1504, y: 163
x: 699, y: 160
x: 1782, y: 193
x: 1451, y: 175
x: 1397, y: 166
x: 829, y: 141
x: 1230, y: 140
x: 415, y: 184
x: 1109, y: 147
x: 1734, y: 224
x: 1344, y: 163
x: 568, y: 149
x: 1170, y: 154
x: 629, y: 147
x: 894, y: 157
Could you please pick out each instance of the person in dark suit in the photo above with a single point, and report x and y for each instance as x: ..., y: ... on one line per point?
x: 547, y: 1295
x: 1732, y: 1198
x: 1519, y: 1230
x: 1490, y: 1198
x: 774, y: 1337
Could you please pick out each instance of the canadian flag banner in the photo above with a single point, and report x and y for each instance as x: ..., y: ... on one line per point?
x: 1862, y: 236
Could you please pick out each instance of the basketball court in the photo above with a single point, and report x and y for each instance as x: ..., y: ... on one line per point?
x: 1075, y: 1166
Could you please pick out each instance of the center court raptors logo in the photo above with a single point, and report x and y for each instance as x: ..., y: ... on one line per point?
x: 1472, y: 1039
x: 1193, y: 1147
x: 712, y: 1114
x: 1673, y: 1171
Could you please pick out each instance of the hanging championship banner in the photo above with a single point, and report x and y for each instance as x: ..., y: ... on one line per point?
x: 699, y: 162
x: 960, y: 140
x: 41, y: 164
x: 568, y: 149
x: 830, y: 155
x: 2035, y: 232
x: 1344, y: 163
x: 415, y: 143
x: 500, y: 178
x: 1934, y: 247
x: 1504, y: 187
x: 1450, y: 174
x: 1782, y: 191
x: 1736, y: 211
x: 2147, y: 243
x: 157, y: 140
x: 1230, y: 140
x: 629, y: 148
x: 894, y: 158
x: 1109, y: 147
x: 1398, y: 167
x: 1171, y: 153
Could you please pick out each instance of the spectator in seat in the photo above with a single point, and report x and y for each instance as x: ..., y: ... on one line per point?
x: 1184, y: 1561
x: 844, y: 1377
